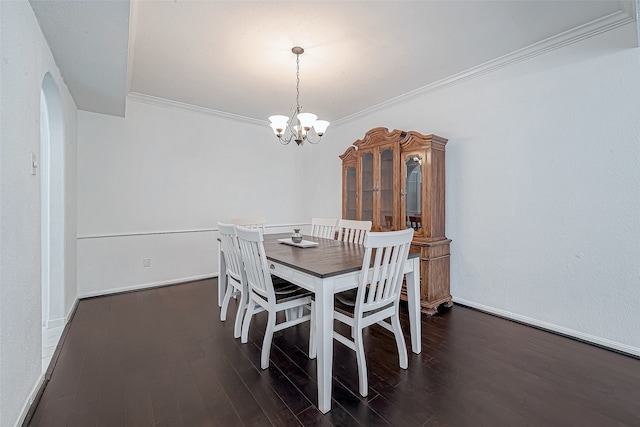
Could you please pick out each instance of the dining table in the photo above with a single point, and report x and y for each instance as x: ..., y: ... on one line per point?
x: 326, y: 268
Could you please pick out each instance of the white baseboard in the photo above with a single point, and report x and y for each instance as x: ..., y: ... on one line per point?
x: 50, y: 324
x: 27, y: 404
x: 603, y: 342
x: 54, y: 323
x: 61, y: 321
x: 144, y: 286
x: 72, y: 309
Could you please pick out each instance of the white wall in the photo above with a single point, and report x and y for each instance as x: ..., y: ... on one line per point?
x: 543, y: 187
x: 25, y: 61
x: 155, y: 184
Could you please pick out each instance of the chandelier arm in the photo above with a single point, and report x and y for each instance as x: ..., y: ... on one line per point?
x: 285, y: 141
x: 310, y: 140
x: 289, y: 132
x: 290, y: 125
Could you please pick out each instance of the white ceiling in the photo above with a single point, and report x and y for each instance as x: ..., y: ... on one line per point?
x: 235, y: 56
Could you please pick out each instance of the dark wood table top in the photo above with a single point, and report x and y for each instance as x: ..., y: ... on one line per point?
x: 329, y: 258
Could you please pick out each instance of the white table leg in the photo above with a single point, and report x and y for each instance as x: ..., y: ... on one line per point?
x: 324, y: 338
x: 222, y: 275
x: 413, y: 301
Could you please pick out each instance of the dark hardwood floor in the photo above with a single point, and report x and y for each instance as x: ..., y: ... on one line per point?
x: 161, y: 357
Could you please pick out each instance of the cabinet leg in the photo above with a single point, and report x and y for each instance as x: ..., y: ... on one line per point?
x: 431, y: 308
x: 429, y: 311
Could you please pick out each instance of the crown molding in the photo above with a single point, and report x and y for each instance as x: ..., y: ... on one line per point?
x: 175, y: 105
x: 577, y: 34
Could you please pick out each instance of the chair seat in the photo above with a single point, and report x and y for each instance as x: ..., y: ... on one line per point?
x: 287, y: 291
x: 347, y: 298
x: 282, y: 286
x: 345, y: 303
x: 296, y: 294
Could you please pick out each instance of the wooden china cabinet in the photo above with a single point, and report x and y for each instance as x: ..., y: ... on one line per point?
x: 396, y: 180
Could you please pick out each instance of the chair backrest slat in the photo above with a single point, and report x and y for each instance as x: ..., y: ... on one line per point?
x: 253, y: 222
x: 255, y: 262
x: 381, y: 280
x: 324, y: 227
x: 231, y: 250
x: 353, y: 231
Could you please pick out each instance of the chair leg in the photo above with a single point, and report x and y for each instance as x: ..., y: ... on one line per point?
x: 294, y: 313
x: 266, y: 344
x: 237, y: 330
x: 313, y: 344
x: 247, y: 320
x: 402, y: 348
x: 362, y: 363
x: 225, y: 302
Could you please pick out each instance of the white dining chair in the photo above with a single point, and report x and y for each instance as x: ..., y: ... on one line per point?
x: 353, y: 231
x: 264, y: 293
x: 251, y: 222
x: 236, y: 281
x: 324, y: 227
x: 376, y: 298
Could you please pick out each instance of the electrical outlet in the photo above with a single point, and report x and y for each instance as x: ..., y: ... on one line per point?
x: 146, y: 262
x: 34, y: 163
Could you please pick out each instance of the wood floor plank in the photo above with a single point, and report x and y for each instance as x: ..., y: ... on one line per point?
x: 277, y: 381
x: 189, y: 399
x: 274, y: 407
x: 215, y: 398
x: 248, y: 409
x: 138, y: 406
x: 356, y: 406
x: 393, y: 412
x: 111, y: 411
x: 89, y: 390
x: 164, y: 401
x: 56, y: 412
x: 162, y: 357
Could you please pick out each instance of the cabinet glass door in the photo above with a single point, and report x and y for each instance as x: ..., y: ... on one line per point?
x: 367, y: 186
x: 413, y: 192
x: 386, y: 220
x: 351, y: 202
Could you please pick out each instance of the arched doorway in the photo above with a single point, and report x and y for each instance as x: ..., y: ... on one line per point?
x: 52, y: 215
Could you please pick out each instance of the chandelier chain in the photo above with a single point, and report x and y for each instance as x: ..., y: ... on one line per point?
x: 297, y: 82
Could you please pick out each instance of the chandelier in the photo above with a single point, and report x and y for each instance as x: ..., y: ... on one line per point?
x: 305, y: 122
